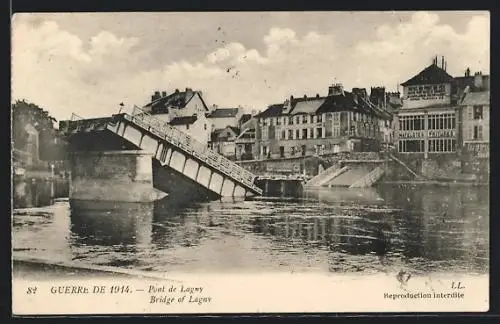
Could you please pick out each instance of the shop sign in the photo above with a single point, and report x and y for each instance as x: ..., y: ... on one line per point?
x: 442, y: 133
x: 411, y: 134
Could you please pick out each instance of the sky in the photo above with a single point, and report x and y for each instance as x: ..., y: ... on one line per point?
x: 88, y: 63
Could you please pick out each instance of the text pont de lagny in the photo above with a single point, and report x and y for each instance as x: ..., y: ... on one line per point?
x: 173, y: 294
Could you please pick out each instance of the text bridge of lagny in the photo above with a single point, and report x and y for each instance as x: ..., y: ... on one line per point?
x: 175, y: 149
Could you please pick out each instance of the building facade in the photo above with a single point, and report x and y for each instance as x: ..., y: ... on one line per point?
x: 178, y: 104
x: 223, y: 117
x: 184, y: 110
x: 196, y: 126
x: 475, y: 115
x: 223, y: 141
x: 427, y: 121
x: 341, y: 121
x: 432, y: 120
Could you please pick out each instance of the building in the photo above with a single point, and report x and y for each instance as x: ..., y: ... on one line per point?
x: 184, y: 110
x: 428, y: 123
x: 178, y: 104
x: 340, y: 121
x: 223, y: 141
x: 223, y: 117
x: 196, y: 126
x: 475, y: 116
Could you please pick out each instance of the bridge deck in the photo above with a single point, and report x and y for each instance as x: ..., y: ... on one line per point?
x: 155, y: 128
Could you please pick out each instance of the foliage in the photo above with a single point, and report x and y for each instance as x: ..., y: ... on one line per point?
x: 50, y: 145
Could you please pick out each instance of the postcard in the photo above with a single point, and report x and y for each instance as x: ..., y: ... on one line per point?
x: 250, y: 162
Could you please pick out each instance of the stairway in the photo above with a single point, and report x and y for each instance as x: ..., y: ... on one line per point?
x: 347, y: 178
x: 370, y: 179
x: 326, y: 175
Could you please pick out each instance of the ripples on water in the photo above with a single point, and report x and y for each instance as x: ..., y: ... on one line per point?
x: 330, y: 230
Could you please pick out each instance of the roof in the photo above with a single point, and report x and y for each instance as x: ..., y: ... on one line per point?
x: 245, y: 117
x: 306, y: 106
x: 176, y: 100
x: 463, y: 81
x: 271, y: 111
x: 476, y: 98
x: 183, y: 120
x: 248, y: 133
x: 432, y: 74
x: 321, y: 105
x: 224, y: 113
x: 220, y: 133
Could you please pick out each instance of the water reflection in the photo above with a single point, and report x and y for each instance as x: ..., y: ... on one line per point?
x: 38, y: 192
x: 339, y: 230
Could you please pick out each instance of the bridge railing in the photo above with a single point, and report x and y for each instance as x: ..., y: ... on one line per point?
x: 75, y: 117
x: 189, y: 144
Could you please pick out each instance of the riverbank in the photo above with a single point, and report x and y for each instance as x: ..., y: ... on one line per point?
x: 28, y: 268
x: 440, y: 183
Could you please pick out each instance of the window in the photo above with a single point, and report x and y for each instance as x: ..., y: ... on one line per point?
x: 478, y: 112
x: 297, y: 133
x: 297, y: 120
x: 478, y: 132
x: 319, y: 132
x: 411, y: 146
x: 282, y: 151
x: 283, y: 134
x: 290, y: 134
x: 304, y: 119
x: 205, y: 126
x: 441, y: 121
x: 264, y: 121
x: 187, y: 126
x: 304, y: 133
x: 278, y: 120
x: 320, y: 118
x: 447, y: 145
x: 336, y: 131
x: 290, y: 120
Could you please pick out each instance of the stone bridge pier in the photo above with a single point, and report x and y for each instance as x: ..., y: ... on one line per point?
x: 125, y: 176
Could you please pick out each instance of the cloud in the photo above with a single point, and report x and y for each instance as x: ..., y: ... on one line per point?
x: 65, y: 74
x: 398, y: 52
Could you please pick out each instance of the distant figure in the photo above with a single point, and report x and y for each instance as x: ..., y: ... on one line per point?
x: 381, y: 244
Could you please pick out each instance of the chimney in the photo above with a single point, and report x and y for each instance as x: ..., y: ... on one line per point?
x: 305, y: 96
x: 156, y: 96
x: 445, y: 63
x: 287, y: 105
x: 176, y: 90
x: 188, y: 90
x: 478, y: 80
x: 163, y: 94
x: 336, y: 90
x: 317, y: 95
x: 442, y: 62
x: 467, y: 72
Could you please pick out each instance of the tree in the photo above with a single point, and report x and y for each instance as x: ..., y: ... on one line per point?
x: 24, y: 113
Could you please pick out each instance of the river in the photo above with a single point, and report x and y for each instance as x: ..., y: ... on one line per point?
x: 419, y: 228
